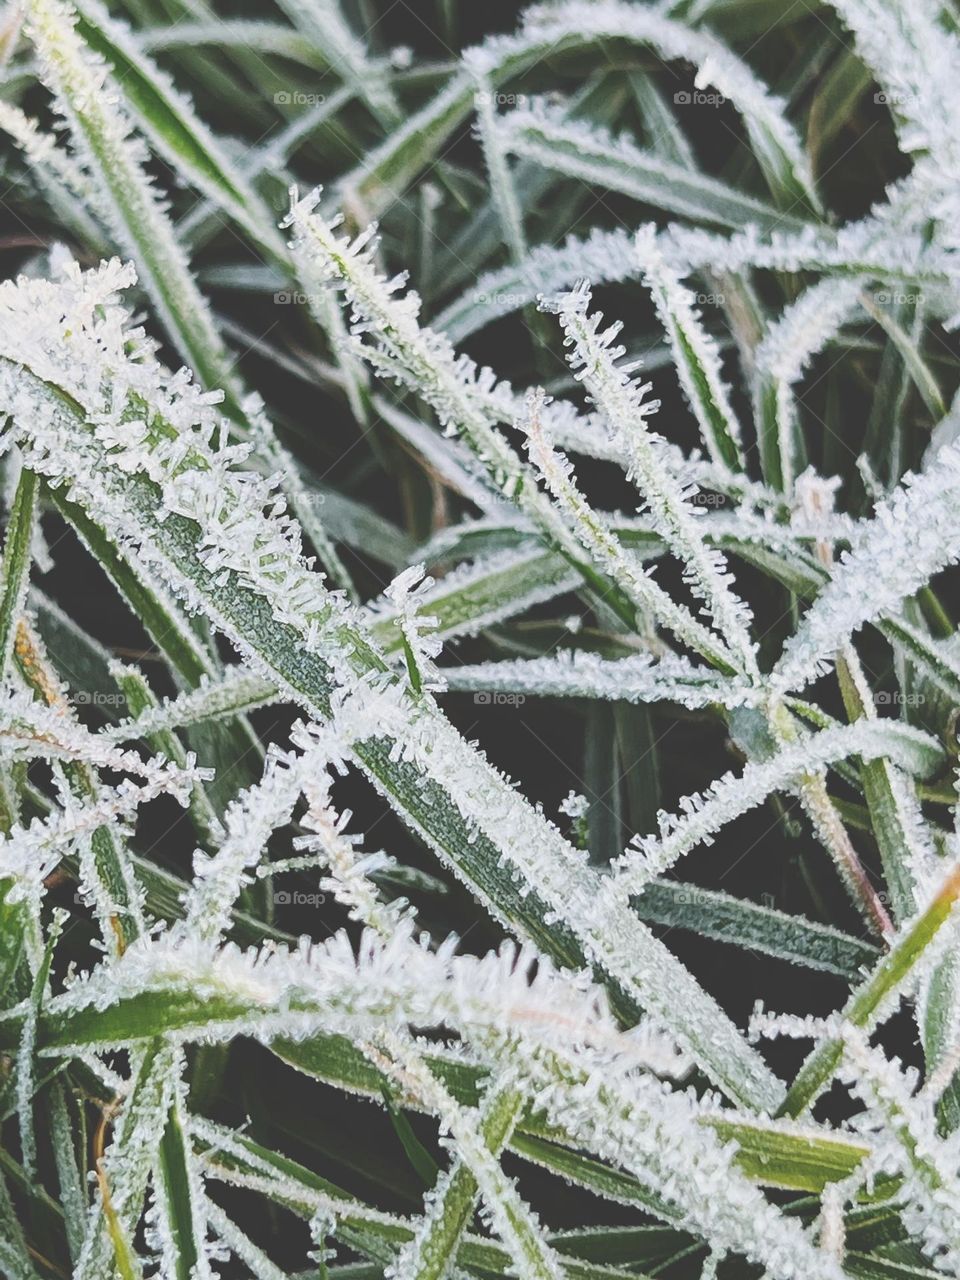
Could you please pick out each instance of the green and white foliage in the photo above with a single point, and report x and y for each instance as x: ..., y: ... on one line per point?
x: 724, y: 523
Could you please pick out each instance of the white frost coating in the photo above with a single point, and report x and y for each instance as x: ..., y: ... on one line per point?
x: 29, y: 853
x: 868, y: 248
x: 588, y: 152
x: 581, y: 674
x: 512, y: 1219
x: 241, y: 1246
x: 494, y: 586
x: 905, y: 1123
x: 51, y: 162
x: 348, y: 870
x: 250, y: 820
x: 916, y: 59
x: 594, y: 533
x: 246, y: 538
x: 702, y: 816
x: 127, y: 201
x: 384, y: 984
x: 30, y: 729
x: 103, y: 136
x: 619, y: 396
x: 451, y: 1202
x: 237, y: 690
x: 577, y: 1064
x: 323, y: 21
x: 130, y: 1158
x: 887, y: 244
x: 72, y: 335
x: 468, y: 401
x: 601, y: 256
x: 592, y: 907
x: 764, y: 115
x: 165, y: 1219
x: 231, y: 190
x: 914, y: 534
x: 660, y: 1138
x: 408, y: 593
x: 502, y: 187
x: 69, y: 342
x: 694, y: 351
x: 450, y: 458
x: 804, y: 329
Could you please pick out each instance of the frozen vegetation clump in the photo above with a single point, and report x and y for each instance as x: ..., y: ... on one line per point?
x: 479, y: 675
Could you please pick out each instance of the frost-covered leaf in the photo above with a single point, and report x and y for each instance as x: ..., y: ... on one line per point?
x: 586, y: 1052
x: 128, y: 201
x: 15, y: 566
x: 585, y: 152
x: 701, y: 817
x: 762, y: 928
x: 913, y: 533
x: 172, y: 124
x: 580, y: 674
x: 868, y: 1002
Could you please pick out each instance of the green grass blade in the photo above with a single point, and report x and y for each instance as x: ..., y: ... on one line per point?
x: 15, y: 566
x: 131, y: 205
x: 865, y: 1002
x: 584, y: 152
x: 717, y: 915
x: 175, y: 1185
x: 172, y: 125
